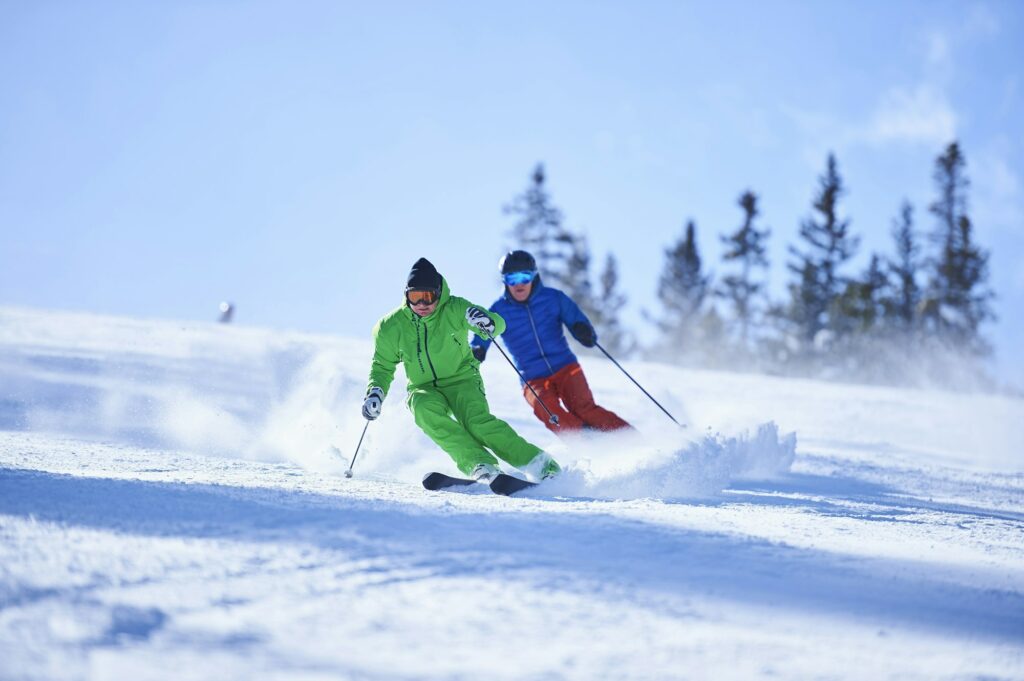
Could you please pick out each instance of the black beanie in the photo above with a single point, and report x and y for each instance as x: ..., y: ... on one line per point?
x: 423, y: 276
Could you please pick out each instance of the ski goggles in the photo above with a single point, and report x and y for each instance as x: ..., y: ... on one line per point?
x: 519, y: 278
x: 422, y: 297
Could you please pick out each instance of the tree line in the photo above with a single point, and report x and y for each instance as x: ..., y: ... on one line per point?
x: 913, y: 315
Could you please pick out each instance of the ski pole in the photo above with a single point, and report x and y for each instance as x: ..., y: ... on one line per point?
x: 348, y: 473
x: 553, y: 419
x: 598, y: 345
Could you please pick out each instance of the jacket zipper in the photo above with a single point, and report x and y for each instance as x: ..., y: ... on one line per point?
x: 537, y: 337
x: 426, y: 349
x: 419, y: 352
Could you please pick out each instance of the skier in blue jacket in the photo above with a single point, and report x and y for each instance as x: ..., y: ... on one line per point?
x: 536, y: 316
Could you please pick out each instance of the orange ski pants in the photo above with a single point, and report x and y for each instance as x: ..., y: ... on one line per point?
x: 567, y: 394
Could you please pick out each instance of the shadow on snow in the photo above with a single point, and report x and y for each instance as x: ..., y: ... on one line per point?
x: 589, y: 553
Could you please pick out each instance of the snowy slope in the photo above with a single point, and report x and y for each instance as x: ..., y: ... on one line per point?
x: 171, y: 506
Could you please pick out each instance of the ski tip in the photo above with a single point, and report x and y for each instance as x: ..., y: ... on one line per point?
x: 436, y: 481
x: 433, y: 481
x: 506, y: 485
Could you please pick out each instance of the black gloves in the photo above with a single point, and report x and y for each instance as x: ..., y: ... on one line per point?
x: 584, y: 333
x: 479, y: 352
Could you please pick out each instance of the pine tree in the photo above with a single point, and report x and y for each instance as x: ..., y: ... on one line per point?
x: 958, y: 297
x: 748, y: 247
x: 902, y: 308
x: 574, y: 277
x: 608, y: 305
x: 683, y: 285
x: 861, y: 305
x: 538, y: 228
x: 828, y: 245
x: 563, y: 256
x: 682, y: 291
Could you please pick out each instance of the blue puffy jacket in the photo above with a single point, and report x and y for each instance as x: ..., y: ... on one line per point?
x: 533, y: 330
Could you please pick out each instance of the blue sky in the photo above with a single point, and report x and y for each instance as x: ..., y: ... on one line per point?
x: 297, y: 157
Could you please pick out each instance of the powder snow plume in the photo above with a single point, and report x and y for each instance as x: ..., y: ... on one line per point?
x: 700, y: 469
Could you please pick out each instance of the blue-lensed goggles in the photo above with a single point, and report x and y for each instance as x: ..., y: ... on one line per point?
x: 519, y: 278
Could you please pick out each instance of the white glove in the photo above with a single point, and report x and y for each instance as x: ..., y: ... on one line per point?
x: 478, y: 318
x: 372, y: 404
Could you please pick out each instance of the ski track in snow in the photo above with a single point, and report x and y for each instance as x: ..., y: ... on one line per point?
x: 171, y: 506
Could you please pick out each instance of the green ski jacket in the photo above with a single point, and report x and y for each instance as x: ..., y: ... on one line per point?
x: 434, y: 350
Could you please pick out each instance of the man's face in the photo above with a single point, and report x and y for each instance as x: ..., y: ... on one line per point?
x: 424, y: 310
x: 422, y: 301
x: 520, y: 292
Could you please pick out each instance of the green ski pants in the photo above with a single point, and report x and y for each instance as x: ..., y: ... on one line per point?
x: 458, y: 419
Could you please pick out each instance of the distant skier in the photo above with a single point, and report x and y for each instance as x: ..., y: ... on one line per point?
x: 535, y: 315
x: 428, y: 334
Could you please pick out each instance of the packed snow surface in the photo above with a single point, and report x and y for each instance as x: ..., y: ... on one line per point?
x: 172, y: 505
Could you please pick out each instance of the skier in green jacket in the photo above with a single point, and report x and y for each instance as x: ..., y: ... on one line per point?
x: 428, y: 334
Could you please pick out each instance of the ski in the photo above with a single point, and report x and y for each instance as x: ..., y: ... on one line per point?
x: 436, y: 481
x: 502, y: 484
x: 507, y: 484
